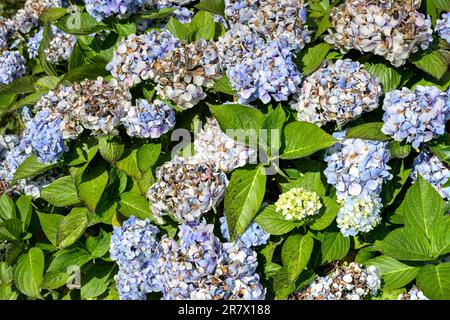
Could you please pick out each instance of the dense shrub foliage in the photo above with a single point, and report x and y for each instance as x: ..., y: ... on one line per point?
x: 225, y: 149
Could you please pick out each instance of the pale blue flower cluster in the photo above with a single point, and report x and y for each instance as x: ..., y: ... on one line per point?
x: 5, y: 33
x: 59, y: 49
x: 148, y: 120
x: 415, y: 116
x: 432, y: 170
x: 102, y: 9
x: 133, y: 248
x: 134, y: 57
x: 359, y: 215
x: 358, y: 168
x: 12, y: 66
x: 443, y: 27
x: 254, y: 236
x: 265, y: 74
x: 197, y: 266
x: 43, y: 135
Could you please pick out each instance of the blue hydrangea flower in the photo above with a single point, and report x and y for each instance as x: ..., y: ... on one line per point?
x: 359, y: 215
x: 133, y: 248
x: 357, y: 167
x: 266, y: 74
x: 415, y: 116
x: 432, y: 170
x: 12, y: 66
x: 254, y: 236
x: 43, y: 135
x: 148, y: 120
x: 134, y: 57
x: 443, y: 27
x: 101, y: 9
x: 33, y: 44
x: 5, y: 33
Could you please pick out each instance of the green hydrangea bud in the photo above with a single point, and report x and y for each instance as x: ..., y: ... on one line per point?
x: 298, y: 203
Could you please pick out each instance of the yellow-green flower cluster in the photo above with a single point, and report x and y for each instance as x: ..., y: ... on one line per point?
x: 298, y: 203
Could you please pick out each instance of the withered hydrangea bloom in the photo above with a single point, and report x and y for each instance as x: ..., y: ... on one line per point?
x: 213, y: 145
x: 352, y: 282
x: 389, y: 28
x: 101, y: 104
x: 182, y: 73
x: 186, y: 188
x: 339, y: 91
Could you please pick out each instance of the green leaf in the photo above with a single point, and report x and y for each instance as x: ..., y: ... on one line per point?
x: 389, y: 77
x: 147, y: 155
x: 274, y: 124
x: 93, y: 183
x: 25, y: 210
x: 310, y: 181
x: 178, y: 29
x: 157, y: 14
x: 406, y: 244
x: 434, y: 281
x: 69, y: 257
x: 20, y: 85
x: 273, y: 222
x: 303, y: 139
x: 239, y: 122
x: 334, y: 246
x: 422, y: 206
x: 47, y: 36
x: 99, y: 246
x: 394, y: 273
x: 282, y: 285
x: 52, y: 14
x: 368, y: 131
x: 223, y: 85
x: 87, y: 71
x: 6, y: 273
x: 398, y: 150
x: 80, y: 24
x: 440, y: 236
x: 6, y: 293
x: 204, y: 25
x: 7, y: 207
x: 71, y: 227
x: 214, y: 6
x: 323, y: 26
x: 129, y: 165
x: 393, y: 187
x: 329, y: 213
x: 433, y: 61
x: 46, y: 83
x: 295, y: 254
x: 311, y: 59
x: 29, y: 272
x: 134, y: 204
x: 61, y: 192
x: 97, y: 282
x: 31, y: 168
x: 244, y: 197
x: 10, y: 229
x: 54, y: 280
x: 49, y: 224
x: 441, y: 148
x: 111, y: 148
x: 442, y: 4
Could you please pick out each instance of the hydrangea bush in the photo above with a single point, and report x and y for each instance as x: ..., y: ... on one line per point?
x: 225, y: 150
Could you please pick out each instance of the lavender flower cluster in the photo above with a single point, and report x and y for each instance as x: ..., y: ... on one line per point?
x: 443, y: 27
x: 389, y: 28
x: 352, y: 282
x: 358, y: 168
x: 102, y: 9
x: 197, y: 266
x: 432, y: 170
x: 12, y: 66
x: 339, y: 92
x: 415, y: 116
